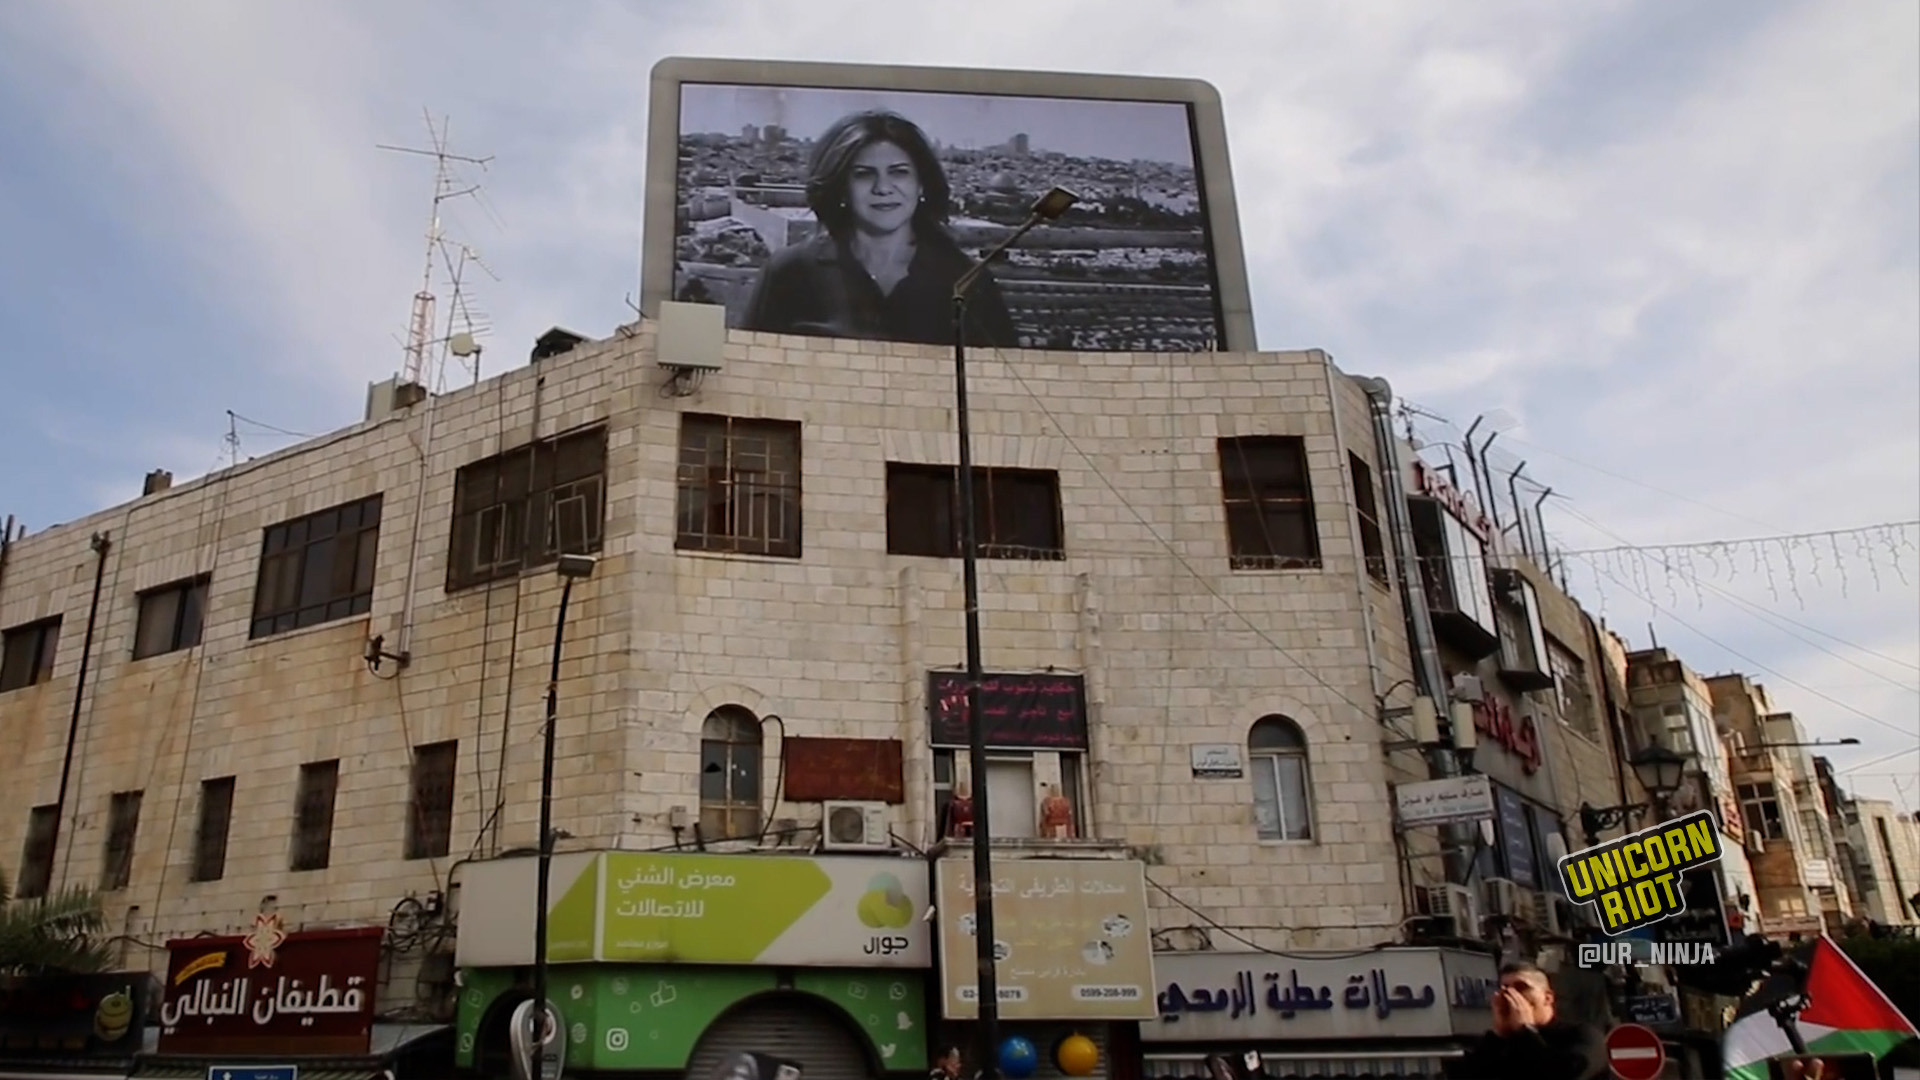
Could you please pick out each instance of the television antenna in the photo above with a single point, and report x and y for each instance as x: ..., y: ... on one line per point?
x: 447, y: 184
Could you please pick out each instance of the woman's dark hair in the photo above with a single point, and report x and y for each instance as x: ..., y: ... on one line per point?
x: 832, y: 165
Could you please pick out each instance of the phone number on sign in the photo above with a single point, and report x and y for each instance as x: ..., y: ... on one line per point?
x: 1106, y: 993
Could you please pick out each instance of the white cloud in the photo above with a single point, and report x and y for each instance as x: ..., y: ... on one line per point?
x: 1690, y: 260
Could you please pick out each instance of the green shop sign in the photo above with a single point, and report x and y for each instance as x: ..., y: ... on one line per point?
x: 648, y: 1017
x: 668, y: 908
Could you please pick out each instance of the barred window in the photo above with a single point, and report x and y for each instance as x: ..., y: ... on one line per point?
x: 739, y: 484
x: 1269, y: 503
x: 313, y: 815
x: 430, y: 813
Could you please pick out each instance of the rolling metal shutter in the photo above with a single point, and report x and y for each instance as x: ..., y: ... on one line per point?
x: 789, y: 1027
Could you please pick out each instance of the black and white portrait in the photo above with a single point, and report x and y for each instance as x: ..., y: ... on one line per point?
x: 852, y: 213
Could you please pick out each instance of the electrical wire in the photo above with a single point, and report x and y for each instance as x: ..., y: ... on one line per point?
x: 1229, y: 931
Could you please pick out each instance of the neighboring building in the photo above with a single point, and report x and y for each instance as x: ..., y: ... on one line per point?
x: 314, y: 681
x: 1886, y: 849
x: 1783, y: 806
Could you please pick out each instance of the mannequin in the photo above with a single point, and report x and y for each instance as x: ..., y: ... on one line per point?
x: 960, y: 813
x: 1056, y: 815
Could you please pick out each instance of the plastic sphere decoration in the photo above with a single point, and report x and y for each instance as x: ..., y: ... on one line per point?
x: 1018, y: 1058
x: 1076, y: 1055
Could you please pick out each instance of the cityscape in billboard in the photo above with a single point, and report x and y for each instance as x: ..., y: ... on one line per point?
x: 851, y: 213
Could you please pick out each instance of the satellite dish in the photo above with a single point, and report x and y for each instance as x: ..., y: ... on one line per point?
x: 462, y: 344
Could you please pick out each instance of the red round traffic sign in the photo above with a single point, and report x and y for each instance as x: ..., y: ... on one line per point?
x: 1635, y: 1052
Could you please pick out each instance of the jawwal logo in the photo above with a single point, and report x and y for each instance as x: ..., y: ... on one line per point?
x: 1635, y: 880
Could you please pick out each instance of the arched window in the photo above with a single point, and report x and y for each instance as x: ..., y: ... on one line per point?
x: 729, y: 774
x: 1282, y: 801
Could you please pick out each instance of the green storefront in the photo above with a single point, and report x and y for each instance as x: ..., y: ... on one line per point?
x: 660, y: 962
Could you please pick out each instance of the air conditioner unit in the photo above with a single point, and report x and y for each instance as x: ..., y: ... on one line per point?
x: 1455, y: 903
x: 854, y: 826
x: 1506, y: 897
x: 1545, y: 913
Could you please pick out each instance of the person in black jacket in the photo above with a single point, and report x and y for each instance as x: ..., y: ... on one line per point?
x: 1527, y: 1042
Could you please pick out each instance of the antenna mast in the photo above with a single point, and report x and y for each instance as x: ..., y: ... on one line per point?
x: 445, y: 186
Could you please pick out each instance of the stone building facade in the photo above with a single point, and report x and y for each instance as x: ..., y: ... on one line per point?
x: 1798, y: 884
x: 314, y: 680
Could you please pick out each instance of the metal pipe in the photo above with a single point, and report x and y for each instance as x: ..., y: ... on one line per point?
x: 1459, y: 840
x: 986, y: 981
x: 1492, y: 504
x: 546, y: 837
x: 1540, y: 528
x: 1519, y: 518
x: 101, y: 545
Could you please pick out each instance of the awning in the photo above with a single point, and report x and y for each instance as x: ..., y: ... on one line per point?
x: 388, y: 1041
x: 16, y: 1071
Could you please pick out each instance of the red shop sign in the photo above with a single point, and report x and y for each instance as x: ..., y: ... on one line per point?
x: 271, y: 992
x: 1518, y: 737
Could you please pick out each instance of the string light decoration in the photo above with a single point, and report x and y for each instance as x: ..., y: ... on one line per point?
x: 1815, y: 561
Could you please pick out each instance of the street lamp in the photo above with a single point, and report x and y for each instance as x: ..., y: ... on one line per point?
x: 1659, y: 770
x: 1048, y: 207
x: 572, y: 568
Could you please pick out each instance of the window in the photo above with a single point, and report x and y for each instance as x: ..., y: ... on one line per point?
x: 26, y: 654
x: 1277, y: 755
x: 313, y: 815
x: 1269, y: 503
x: 123, y: 822
x: 739, y: 486
x: 1016, y: 512
x: 1366, y: 505
x: 36, y: 858
x: 317, y: 568
x: 171, y: 617
x: 729, y: 774
x: 522, y: 509
x: 430, y: 814
x: 210, y: 838
x: 1575, y: 697
x: 1012, y: 790
x: 1760, y: 810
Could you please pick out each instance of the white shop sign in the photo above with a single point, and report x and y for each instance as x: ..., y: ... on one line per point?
x: 1444, y: 801
x: 1412, y: 993
x: 1217, y: 761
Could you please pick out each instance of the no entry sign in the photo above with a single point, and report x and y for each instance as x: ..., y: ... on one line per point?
x: 1635, y: 1052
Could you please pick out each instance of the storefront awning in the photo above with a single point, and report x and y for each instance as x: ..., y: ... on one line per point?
x: 387, y: 1042
x: 21, y: 1071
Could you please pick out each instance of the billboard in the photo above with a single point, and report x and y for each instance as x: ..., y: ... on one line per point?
x: 845, y: 201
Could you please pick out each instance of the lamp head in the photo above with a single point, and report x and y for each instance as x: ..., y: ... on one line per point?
x: 576, y: 566
x: 1056, y: 201
x: 1658, y: 769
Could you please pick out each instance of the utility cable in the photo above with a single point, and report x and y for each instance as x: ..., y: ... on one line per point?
x: 1777, y: 538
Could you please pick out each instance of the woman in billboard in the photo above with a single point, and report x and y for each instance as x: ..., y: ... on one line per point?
x: 883, y: 265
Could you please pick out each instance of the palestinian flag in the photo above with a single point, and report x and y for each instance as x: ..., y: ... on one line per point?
x: 1845, y: 1013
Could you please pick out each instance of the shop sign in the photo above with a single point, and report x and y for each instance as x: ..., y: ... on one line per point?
x: 1516, y: 735
x: 1444, y: 801
x: 1385, y: 993
x: 1071, y: 935
x: 1036, y: 711
x: 75, y: 1016
x: 271, y: 992
x: 638, y: 907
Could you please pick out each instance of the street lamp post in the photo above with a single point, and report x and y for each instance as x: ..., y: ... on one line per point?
x: 572, y: 568
x: 1048, y: 207
x: 1659, y: 771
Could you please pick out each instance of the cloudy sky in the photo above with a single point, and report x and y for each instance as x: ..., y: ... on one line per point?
x: 1671, y: 250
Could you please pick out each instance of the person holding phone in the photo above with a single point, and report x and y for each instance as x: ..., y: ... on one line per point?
x: 1528, y: 1042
